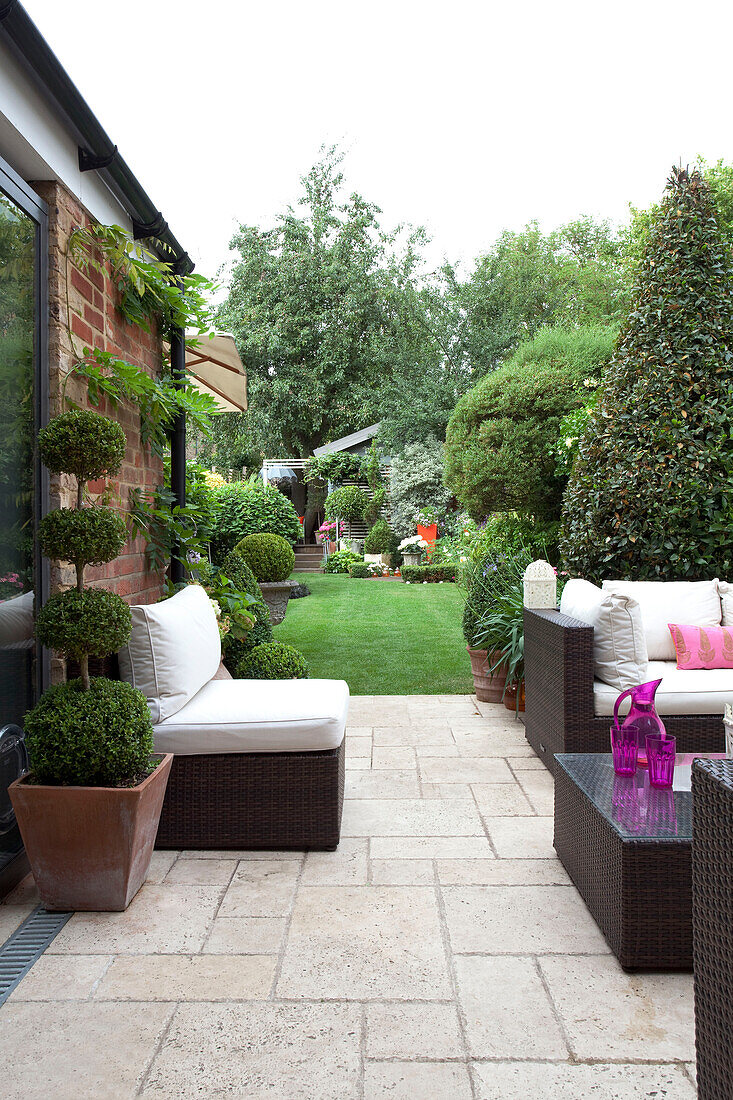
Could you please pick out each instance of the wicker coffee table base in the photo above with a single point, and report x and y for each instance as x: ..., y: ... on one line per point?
x: 638, y: 891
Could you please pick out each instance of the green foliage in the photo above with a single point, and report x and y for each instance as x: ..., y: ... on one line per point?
x: 530, y: 280
x: 499, y: 449
x: 360, y: 570
x: 84, y: 536
x: 171, y: 530
x: 380, y: 539
x: 102, y: 737
x: 95, y: 622
x: 236, y: 568
x: 159, y: 399
x: 149, y: 290
x: 234, y: 649
x: 430, y: 574
x: 82, y: 443
x: 348, y: 503
x: 340, y: 561
x: 323, y: 305
x: 270, y: 557
x: 500, y: 631
x: 650, y: 493
x: 416, y: 482
x: 273, y: 661
x: 336, y: 467
x: 249, y: 508
x: 573, y: 427
x: 489, y: 581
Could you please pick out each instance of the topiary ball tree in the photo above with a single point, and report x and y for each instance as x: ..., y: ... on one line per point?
x: 499, y: 447
x: 270, y: 557
x: 650, y: 493
x: 83, y: 622
x: 348, y: 503
x: 273, y: 661
x: 84, y: 444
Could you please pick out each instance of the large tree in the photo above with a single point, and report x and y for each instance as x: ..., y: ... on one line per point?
x: 651, y: 494
x: 324, y: 312
x: 529, y: 280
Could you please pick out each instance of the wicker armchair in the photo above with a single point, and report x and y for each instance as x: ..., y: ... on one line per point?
x: 712, y: 923
x: 559, y: 716
x: 269, y: 801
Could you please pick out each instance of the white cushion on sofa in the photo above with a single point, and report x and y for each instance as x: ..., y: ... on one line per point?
x: 258, y: 716
x: 619, y: 645
x: 682, y: 691
x: 174, y: 649
x: 690, y: 603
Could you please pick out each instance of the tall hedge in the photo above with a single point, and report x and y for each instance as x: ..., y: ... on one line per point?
x: 251, y: 508
x: 499, y: 447
x: 651, y: 494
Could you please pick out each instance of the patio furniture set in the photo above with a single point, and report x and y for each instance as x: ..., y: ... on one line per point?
x: 654, y: 867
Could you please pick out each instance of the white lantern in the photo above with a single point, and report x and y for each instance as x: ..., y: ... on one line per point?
x: 540, y: 585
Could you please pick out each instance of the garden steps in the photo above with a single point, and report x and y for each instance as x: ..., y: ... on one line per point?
x: 308, y: 559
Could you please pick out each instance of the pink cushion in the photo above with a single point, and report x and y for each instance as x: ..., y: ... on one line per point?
x: 702, y: 646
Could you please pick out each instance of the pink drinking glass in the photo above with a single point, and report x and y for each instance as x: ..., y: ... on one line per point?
x: 624, y: 749
x: 660, y: 752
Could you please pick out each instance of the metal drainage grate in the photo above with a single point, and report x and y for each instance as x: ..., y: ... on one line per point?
x: 26, y: 945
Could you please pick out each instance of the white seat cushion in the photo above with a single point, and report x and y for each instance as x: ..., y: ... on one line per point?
x: 174, y: 649
x: 619, y: 644
x: 682, y: 691
x: 690, y: 603
x: 258, y: 716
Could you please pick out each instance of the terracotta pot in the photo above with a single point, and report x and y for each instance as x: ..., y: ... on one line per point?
x: 488, y: 688
x: 510, y: 698
x: 90, y: 847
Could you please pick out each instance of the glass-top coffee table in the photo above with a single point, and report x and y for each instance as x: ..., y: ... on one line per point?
x: 627, y: 847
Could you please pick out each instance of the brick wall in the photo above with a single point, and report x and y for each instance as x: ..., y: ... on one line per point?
x: 95, y: 322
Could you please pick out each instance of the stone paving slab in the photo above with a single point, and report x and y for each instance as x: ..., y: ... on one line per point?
x: 441, y: 953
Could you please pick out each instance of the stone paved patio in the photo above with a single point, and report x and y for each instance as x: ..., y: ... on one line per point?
x: 439, y: 953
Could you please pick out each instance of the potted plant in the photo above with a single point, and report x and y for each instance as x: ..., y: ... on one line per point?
x: 413, y: 550
x: 427, y: 527
x: 380, y: 543
x: 488, y: 682
x: 88, y: 810
x: 271, y: 558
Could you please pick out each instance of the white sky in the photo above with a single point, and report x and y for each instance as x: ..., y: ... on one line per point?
x: 465, y: 117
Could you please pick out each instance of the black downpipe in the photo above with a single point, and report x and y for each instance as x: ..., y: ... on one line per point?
x: 178, y: 443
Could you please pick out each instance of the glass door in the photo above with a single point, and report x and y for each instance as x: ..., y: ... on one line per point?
x: 23, y: 323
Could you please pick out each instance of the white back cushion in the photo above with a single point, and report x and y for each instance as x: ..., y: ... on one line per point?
x: 619, y: 645
x: 692, y: 603
x: 174, y: 649
x: 726, y: 602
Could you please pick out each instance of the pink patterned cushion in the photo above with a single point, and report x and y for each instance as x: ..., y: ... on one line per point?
x: 702, y: 646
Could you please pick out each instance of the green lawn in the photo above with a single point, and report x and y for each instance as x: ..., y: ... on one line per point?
x: 382, y: 637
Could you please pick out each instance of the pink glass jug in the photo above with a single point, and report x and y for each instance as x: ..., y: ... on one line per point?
x: 642, y: 715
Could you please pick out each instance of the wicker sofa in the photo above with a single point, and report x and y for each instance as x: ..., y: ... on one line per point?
x: 567, y: 710
x: 712, y: 924
x: 258, y: 764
